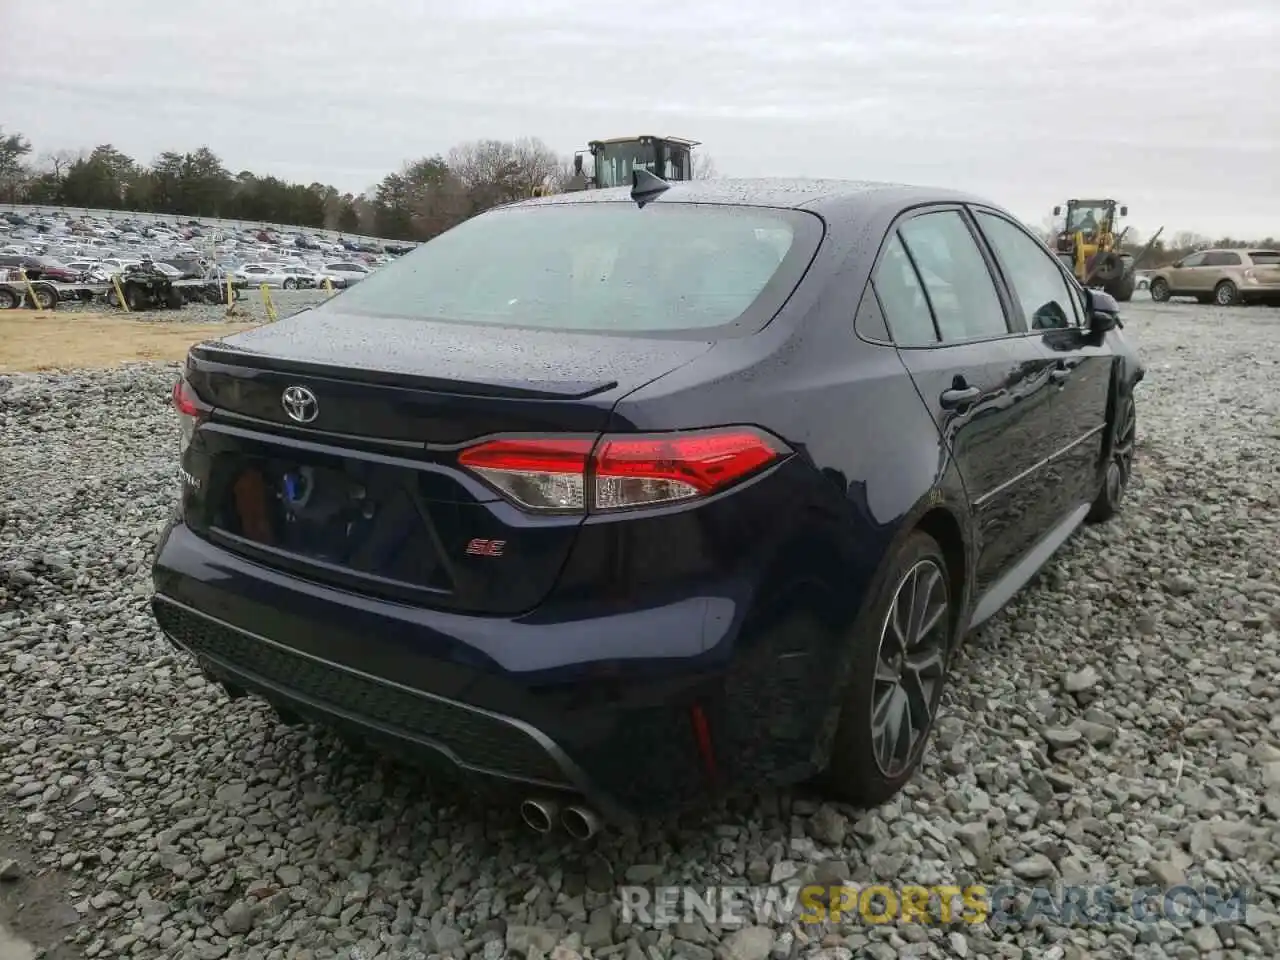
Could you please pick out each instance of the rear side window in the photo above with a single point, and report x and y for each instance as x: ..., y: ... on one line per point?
x: 1265, y: 258
x: 1221, y: 258
x: 902, y: 298
x: 955, y: 276
x: 1034, y: 274
x: 601, y: 267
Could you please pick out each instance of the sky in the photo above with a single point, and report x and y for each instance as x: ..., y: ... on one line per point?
x: 1169, y: 106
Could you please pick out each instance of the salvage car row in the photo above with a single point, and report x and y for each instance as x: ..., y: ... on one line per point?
x: 70, y: 250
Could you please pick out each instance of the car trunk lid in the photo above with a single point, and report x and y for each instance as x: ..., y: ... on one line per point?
x: 365, y: 491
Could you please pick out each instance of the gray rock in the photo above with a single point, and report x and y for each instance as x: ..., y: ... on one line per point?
x: 522, y: 940
x: 1035, y: 867
x: 1081, y: 680
x: 238, y: 918
x: 829, y: 826
x: 642, y: 873
x: 748, y: 943
x: 1062, y: 736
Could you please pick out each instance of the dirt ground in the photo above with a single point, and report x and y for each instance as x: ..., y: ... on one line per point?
x: 34, y: 340
x: 36, y: 906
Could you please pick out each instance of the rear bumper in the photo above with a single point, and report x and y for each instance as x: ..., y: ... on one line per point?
x: 611, y: 707
x: 1259, y: 291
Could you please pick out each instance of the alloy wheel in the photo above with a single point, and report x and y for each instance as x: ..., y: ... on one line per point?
x: 910, y: 666
x: 1225, y: 294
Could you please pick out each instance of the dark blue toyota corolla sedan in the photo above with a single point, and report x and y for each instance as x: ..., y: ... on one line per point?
x: 632, y: 496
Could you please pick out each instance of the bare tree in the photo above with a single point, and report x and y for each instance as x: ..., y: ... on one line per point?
x: 58, y: 161
x: 500, y: 171
x: 704, y: 167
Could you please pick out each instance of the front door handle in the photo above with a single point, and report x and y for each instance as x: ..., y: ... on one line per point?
x: 1060, y: 375
x: 959, y: 397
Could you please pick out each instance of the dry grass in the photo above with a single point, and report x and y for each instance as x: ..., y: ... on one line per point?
x: 37, y: 340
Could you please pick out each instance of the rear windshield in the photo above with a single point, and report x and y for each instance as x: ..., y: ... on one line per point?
x: 1265, y: 258
x: 605, y: 267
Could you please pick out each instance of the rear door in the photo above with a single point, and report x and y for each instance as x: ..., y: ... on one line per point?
x: 1051, y: 308
x: 985, y: 384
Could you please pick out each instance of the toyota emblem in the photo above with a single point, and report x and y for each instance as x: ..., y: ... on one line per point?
x: 300, y: 404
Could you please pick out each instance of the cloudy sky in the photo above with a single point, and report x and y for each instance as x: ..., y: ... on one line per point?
x: 1168, y: 105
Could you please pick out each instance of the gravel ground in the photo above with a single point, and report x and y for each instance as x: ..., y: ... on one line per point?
x: 1120, y: 721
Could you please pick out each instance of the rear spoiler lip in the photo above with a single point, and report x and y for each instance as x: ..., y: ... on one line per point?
x: 214, y: 353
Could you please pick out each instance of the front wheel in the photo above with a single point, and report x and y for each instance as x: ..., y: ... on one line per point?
x: 1159, y: 290
x: 1115, y: 480
x: 1225, y: 294
x: 901, y: 653
x: 46, y: 298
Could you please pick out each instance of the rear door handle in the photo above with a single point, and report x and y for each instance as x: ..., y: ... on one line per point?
x: 959, y: 397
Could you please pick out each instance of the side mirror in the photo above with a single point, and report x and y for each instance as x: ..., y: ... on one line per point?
x: 1176, y: 263
x: 1124, y: 211
x: 1104, y: 312
x: 1057, y: 211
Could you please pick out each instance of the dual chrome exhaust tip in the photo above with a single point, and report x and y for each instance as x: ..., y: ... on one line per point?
x: 541, y: 816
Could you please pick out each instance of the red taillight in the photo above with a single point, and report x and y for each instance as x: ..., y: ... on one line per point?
x: 542, y: 474
x: 190, y: 412
x: 574, y: 474
x: 184, y: 399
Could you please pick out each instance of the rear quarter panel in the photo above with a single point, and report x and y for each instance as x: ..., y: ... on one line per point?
x: 797, y: 550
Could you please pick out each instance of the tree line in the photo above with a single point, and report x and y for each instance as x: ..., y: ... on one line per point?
x: 423, y: 198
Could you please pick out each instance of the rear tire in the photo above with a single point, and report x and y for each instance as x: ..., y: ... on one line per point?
x: 1226, y: 294
x: 290, y: 284
x: 1115, y: 479
x: 1159, y: 289
x: 901, y: 650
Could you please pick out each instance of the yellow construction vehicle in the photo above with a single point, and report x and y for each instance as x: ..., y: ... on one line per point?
x: 614, y: 161
x: 1091, y: 248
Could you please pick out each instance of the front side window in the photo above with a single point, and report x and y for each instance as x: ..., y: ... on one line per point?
x: 600, y: 267
x: 1195, y: 260
x: 955, y: 276
x: 615, y: 162
x: 1034, y: 275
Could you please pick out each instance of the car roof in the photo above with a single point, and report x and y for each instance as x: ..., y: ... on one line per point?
x: 849, y: 196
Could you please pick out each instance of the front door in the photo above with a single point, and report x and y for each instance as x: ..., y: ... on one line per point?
x: 987, y: 388
x: 1052, y: 311
x: 1187, y: 276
